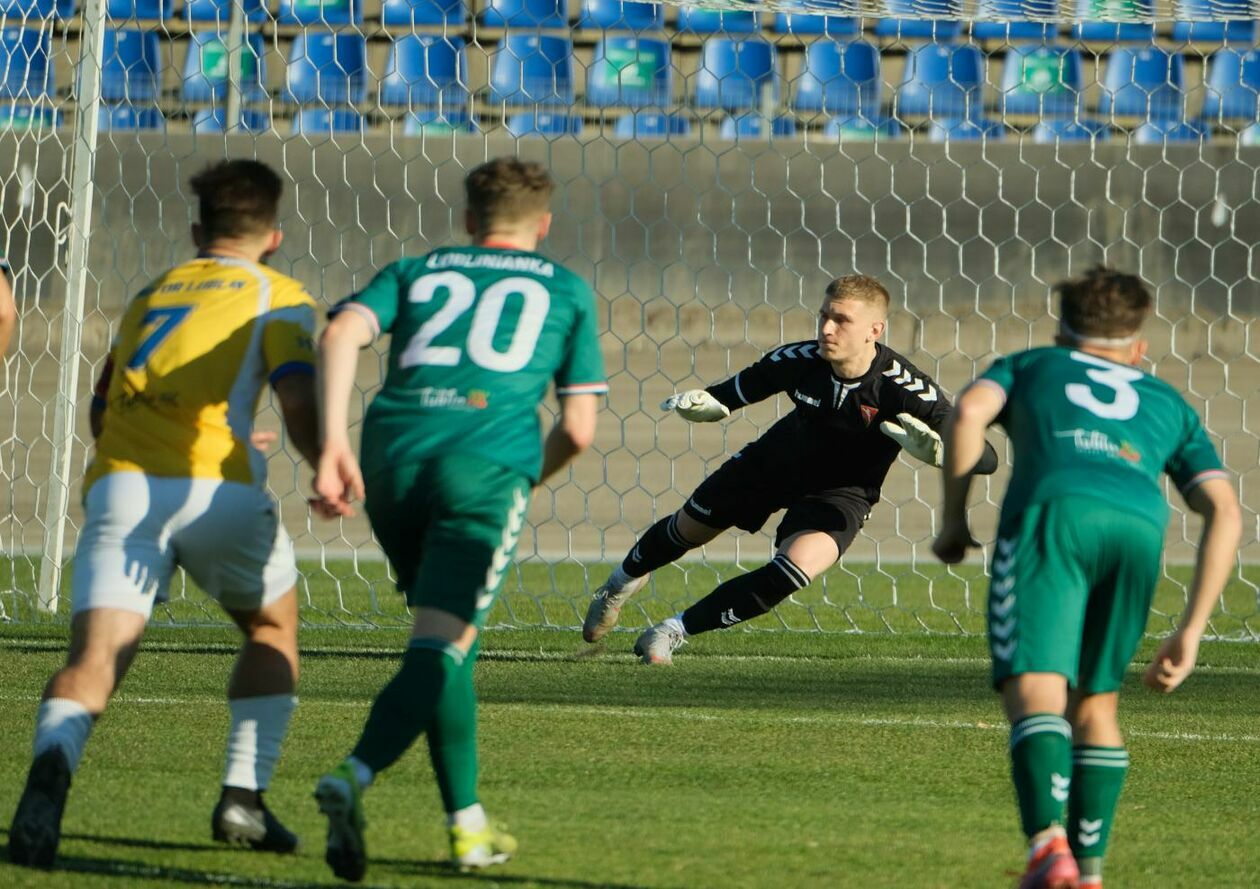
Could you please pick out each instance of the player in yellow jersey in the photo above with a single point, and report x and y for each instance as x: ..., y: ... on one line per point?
x: 177, y: 481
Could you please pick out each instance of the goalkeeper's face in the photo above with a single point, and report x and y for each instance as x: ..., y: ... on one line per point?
x: 848, y: 327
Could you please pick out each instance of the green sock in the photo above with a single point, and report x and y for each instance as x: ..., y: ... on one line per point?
x: 1041, y: 767
x: 453, y: 738
x: 1097, y: 778
x: 405, y: 706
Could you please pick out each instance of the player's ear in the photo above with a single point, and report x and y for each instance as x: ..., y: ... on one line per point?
x: 544, y: 225
x: 1137, y: 351
x: 877, y: 329
x: 273, y: 242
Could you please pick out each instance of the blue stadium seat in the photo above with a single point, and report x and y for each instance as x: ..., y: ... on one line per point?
x: 213, y: 120
x: 532, y: 69
x: 1250, y: 136
x: 651, y: 125
x: 327, y: 121
x: 969, y: 130
x: 630, y: 71
x: 1163, y: 132
x: 426, y: 69
x: 1112, y: 31
x: 862, y: 129
x: 622, y: 15
x: 1005, y: 20
x: 943, y: 23
x: 320, y: 12
x: 25, y: 69
x: 28, y: 117
x: 424, y: 12
x: 1065, y: 130
x: 221, y: 11
x: 942, y: 81
x: 139, y: 9
x: 37, y: 9
x: 206, y: 67
x: 834, y: 26
x: 714, y: 21
x: 1145, y: 82
x: 1045, y: 80
x: 753, y: 126
x: 526, y: 13
x: 327, y: 67
x: 544, y: 123
x: 736, y: 74
x: 1233, y: 85
x: 1195, y: 24
x: 128, y: 118
x: 839, y: 78
x: 132, y: 66
x: 434, y: 121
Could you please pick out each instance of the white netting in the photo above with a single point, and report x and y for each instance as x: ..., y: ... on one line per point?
x: 711, y: 184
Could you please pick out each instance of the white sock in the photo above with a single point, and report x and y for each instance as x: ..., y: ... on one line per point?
x: 61, y: 722
x: 253, y: 745
x: 470, y: 818
x: 675, y: 623
x: 619, y: 579
x: 362, y: 773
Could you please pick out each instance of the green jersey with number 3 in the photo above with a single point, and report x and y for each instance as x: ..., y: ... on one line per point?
x: 477, y: 334
x: 1083, y: 425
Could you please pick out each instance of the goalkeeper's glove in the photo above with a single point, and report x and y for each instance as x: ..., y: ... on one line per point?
x: 916, y: 437
x: 696, y: 406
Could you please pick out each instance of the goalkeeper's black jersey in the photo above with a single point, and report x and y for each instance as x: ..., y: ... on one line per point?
x: 831, y: 443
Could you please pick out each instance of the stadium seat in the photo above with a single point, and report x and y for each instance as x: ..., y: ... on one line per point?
x: 532, y: 69
x: 128, y: 118
x: 1064, y: 130
x: 1045, y: 80
x: 36, y: 9
x: 1142, y: 82
x: 1005, y: 20
x: 433, y: 121
x: 622, y: 15
x: 213, y: 120
x: 753, y: 126
x: 544, y: 123
x: 206, y: 68
x: 941, y: 81
x: 1195, y: 24
x: 25, y: 69
x: 132, y: 67
x: 1250, y: 136
x: 736, y: 74
x: 139, y: 9
x: 651, y: 125
x: 424, y: 12
x: 526, y: 13
x: 715, y: 21
x: 28, y: 117
x: 1163, y: 132
x: 810, y: 23
x: 630, y: 71
x: 327, y: 67
x: 839, y: 78
x: 970, y: 130
x: 327, y: 121
x: 1114, y: 31
x: 1232, y: 85
x: 943, y: 24
x: 861, y: 129
x: 221, y: 11
x: 426, y: 69
x: 320, y: 12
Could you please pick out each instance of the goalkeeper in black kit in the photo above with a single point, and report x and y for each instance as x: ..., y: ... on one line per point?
x: 857, y: 404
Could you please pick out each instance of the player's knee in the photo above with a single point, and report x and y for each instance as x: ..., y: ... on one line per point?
x: 1091, y: 714
x: 444, y: 627
x: 692, y: 531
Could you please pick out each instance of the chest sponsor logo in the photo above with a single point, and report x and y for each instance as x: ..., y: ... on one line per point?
x: 473, y: 399
x: 1091, y: 442
x: 868, y: 413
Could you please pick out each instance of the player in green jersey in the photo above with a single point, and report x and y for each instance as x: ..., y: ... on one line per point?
x: 1078, y: 556
x: 451, y: 450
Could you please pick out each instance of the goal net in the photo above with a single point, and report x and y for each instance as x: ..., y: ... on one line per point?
x: 716, y: 168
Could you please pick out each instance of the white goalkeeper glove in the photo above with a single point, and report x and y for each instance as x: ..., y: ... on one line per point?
x: 916, y: 437
x: 696, y: 406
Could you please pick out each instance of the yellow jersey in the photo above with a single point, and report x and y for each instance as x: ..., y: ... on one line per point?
x: 192, y: 354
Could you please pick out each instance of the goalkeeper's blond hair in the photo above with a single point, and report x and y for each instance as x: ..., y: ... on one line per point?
x: 862, y: 288
x: 508, y: 191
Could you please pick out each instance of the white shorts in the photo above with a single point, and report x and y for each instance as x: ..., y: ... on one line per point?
x: 138, y: 528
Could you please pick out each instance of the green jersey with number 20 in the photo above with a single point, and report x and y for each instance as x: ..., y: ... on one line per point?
x: 1083, y: 425
x: 477, y: 334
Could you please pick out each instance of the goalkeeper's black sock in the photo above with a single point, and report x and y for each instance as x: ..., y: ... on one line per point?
x: 659, y: 546
x: 745, y: 597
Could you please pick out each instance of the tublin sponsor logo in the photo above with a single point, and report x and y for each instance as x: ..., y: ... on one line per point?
x: 1095, y: 443
x: 473, y: 399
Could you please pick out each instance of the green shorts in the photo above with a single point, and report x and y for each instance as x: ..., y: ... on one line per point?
x: 1070, y: 591
x: 449, y: 527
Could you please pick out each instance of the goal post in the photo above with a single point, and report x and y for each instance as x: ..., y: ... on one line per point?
x: 706, y: 247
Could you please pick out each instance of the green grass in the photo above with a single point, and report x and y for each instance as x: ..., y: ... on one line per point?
x: 758, y: 760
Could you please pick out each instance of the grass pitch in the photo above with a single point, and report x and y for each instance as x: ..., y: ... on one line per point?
x: 758, y: 760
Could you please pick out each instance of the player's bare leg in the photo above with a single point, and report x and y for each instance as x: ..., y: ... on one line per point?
x: 1041, y: 767
x: 260, y: 697
x: 1100, y: 763
x: 799, y: 559
x: 103, y: 642
x: 663, y: 543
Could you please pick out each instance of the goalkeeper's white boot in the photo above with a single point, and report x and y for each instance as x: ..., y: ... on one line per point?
x: 605, y: 607
x: 658, y: 644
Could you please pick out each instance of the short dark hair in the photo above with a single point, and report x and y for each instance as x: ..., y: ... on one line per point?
x: 508, y: 189
x: 1103, y: 303
x: 862, y: 288
x: 239, y: 198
